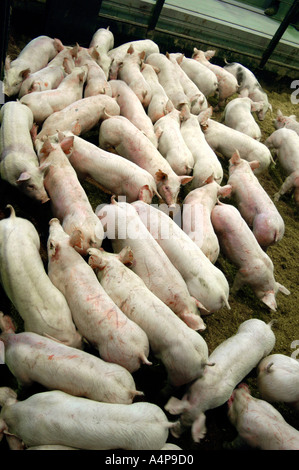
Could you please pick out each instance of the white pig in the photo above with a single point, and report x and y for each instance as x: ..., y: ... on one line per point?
x: 103, y: 41
x: 233, y: 359
x: 182, y: 351
x: 237, y: 115
x: 259, y: 424
x: 290, y: 122
x: 206, y: 162
x: 35, y: 55
x: 238, y: 243
x: 225, y: 140
x: 45, y: 103
x: 56, y: 417
x: 31, y: 358
x: 254, y: 203
x: 96, y: 316
x: 172, y: 145
x: 96, y: 81
x: 19, y: 164
x: 69, y: 201
x: 278, y: 379
x: 196, y: 216
x: 123, y: 227
x: 118, y: 134
x: 41, y: 305
x: 80, y: 116
x: 205, y: 282
x: 285, y: 142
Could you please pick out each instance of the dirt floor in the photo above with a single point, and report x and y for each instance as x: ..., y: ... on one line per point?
x: 220, y: 325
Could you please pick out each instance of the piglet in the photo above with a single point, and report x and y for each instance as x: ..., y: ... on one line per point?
x: 96, y: 81
x: 55, y: 417
x: 237, y: 115
x: 69, y: 201
x: 196, y: 216
x: 32, y: 358
x: 227, y: 83
x: 160, y: 104
x: 278, y: 379
x: 290, y: 122
x: 233, y: 359
x: 96, y: 316
x: 19, y: 164
x: 285, y: 143
x: 123, y: 227
x: 39, y: 303
x: 182, y: 351
x: 103, y: 41
x: 205, y: 282
x: 259, y: 424
x: 254, y: 203
x: 206, y: 162
x: 172, y: 145
x: 238, y: 243
x: 249, y: 86
x: 35, y: 55
x: 45, y: 103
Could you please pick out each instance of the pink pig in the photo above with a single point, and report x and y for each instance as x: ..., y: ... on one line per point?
x: 227, y: 83
x: 237, y: 115
x: 96, y: 81
x: 259, y: 424
x: 103, y: 41
x: 197, y: 208
x: 290, y: 122
x: 253, y: 202
x: 239, y: 244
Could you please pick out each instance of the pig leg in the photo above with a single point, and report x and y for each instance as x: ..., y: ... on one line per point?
x: 239, y: 281
x: 286, y: 186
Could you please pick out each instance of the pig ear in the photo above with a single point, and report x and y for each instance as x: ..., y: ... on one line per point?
x: 282, y: 289
x: 209, y: 54
x: 66, y: 144
x: 269, y: 300
x: 130, y: 50
x: 142, y: 55
x: 180, y: 59
x: 44, y: 168
x: 144, y: 190
x: 76, y: 239
x: 158, y: 132
x: 95, y: 261
x: 279, y: 113
x: 24, y: 176
x: 161, y: 176
x: 175, y: 406
x: 204, y: 116
x: 47, y: 148
x: 199, y: 429
x: 225, y: 191
x: 185, y: 179
x: 210, y: 179
x: 25, y: 73
x: 254, y: 164
x: 7, y: 63
x: 235, y: 158
x: 126, y: 256
x: 184, y: 113
x: 95, y: 54
x: 257, y: 106
x: 58, y: 45
x: 76, y: 127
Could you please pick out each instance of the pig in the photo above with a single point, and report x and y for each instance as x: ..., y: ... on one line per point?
x: 80, y: 116
x: 226, y: 141
x: 118, y: 53
x: 254, y: 203
x: 278, y: 379
x: 47, y: 78
x: 112, y: 173
x: 42, y: 307
x: 45, y: 103
x: 259, y: 424
x: 196, y: 216
x: 227, y: 83
x: 233, y: 359
x: 131, y: 108
x: 32, y: 358
x: 172, y: 145
x: 249, y: 86
x: 96, y: 81
x: 182, y: 351
x: 206, y: 162
x: 239, y: 245
x: 237, y: 115
x: 118, y: 134
x: 103, y: 41
x: 19, y: 164
x: 160, y: 104
x: 97, y: 317
x: 290, y: 122
x: 205, y: 282
x: 69, y: 201
x: 123, y: 227
x: 55, y: 417
x: 169, y: 79
x: 197, y: 99
x: 204, y: 78
x: 130, y: 72
x: 285, y: 141
x: 35, y: 55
